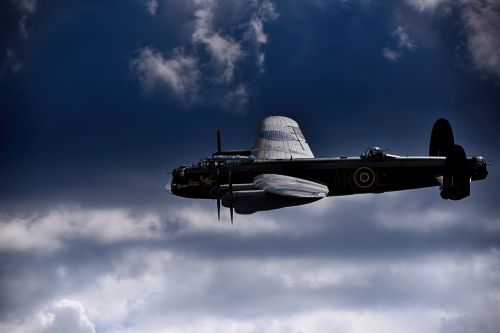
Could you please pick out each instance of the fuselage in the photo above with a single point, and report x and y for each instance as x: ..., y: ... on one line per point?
x: 342, y: 175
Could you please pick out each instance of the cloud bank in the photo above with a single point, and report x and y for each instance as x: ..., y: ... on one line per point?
x: 382, y: 268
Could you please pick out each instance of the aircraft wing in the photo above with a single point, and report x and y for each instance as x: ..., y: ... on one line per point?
x: 290, y: 186
x: 280, y: 138
x: 272, y: 191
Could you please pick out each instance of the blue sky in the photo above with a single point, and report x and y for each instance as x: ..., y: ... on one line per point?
x: 100, y: 100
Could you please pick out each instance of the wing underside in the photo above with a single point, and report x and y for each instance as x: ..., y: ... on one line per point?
x: 272, y: 191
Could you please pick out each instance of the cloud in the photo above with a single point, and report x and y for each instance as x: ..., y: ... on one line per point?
x: 426, y: 5
x: 236, y: 99
x: 223, y: 50
x: 391, y: 54
x: 11, y: 63
x: 148, y: 289
x: 481, y: 21
x: 180, y: 73
x: 482, y: 25
x: 219, y: 55
x: 265, y: 11
x: 27, y: 8
x: 65, y: 316
x: 340, y: 269
x: 404, y: 40
x: 152, y: 6
x: 60, y: 226
x: 405, y: 43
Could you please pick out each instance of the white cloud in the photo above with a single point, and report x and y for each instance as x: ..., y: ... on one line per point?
x: 258, y: 29
x: 404, y: 40
x: 266, y: 10
x: 194, y: 219
x: 152, y: 6
x: 426, y: 5
x: 391, y: 54
x: 180, y: 73
x: 51, y: 231
x: 405, y: 43
x: 224, y: 50
x: 189, y: 276
x: 482, y: 23
x: 160, y: 291
x: 65, y: 316
x: 481, y: 19
x: 214, y: 56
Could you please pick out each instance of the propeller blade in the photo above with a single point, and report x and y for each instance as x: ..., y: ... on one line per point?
x: 217, y: 178
x: 218, y: 142
x: 231, y: 193
x: 218, y: 209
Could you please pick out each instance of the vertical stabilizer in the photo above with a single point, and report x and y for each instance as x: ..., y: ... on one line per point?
x: 442, y: 139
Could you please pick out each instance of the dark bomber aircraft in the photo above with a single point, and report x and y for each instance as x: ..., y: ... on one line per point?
x: 281, y: 171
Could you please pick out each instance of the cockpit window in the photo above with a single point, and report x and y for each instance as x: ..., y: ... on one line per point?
x: 374, y: 153
x: 221, y: 161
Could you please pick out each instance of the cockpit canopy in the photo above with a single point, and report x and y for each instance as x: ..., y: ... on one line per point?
x: 222, y: 161
x: 374, y: 154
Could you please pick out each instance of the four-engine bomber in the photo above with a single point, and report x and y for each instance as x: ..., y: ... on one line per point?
x: 281, y: 171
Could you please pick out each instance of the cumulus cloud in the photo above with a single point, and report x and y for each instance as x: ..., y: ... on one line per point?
x: 265, y: 11
x: 404, y: 40
x: 179, y: 73
x: 426, y: 5
x: 218, y: 55
x: 481, y: 20
x: 59, y: 226
x: 65, y: 316
x: 224, y: 50
x: 380, y: 267
x: 152, y: 6
x: 172, y: 291
x: 404, y: 43
x: 482, y: 24
x: 391, y: 54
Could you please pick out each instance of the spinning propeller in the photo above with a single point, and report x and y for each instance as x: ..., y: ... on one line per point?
x: 216, y: 189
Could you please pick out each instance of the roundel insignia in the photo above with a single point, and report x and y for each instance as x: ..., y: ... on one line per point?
x: 364, y: 177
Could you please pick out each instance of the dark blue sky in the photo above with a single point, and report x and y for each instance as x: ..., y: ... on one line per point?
x: 100, y: 100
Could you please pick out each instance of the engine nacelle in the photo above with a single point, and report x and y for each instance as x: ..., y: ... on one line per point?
x: 456, y: 176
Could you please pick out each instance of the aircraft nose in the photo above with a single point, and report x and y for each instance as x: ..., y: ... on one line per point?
x: 169, y: 185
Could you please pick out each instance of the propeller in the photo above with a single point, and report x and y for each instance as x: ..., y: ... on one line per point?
x: 218, y: 198
x: 217, y: 183
x: 218, y: 143
x: 216, y: 188
x: 231, y: 193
